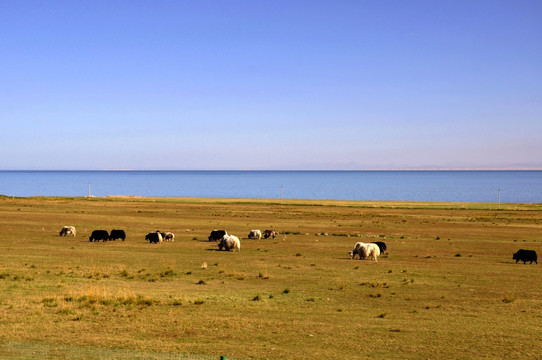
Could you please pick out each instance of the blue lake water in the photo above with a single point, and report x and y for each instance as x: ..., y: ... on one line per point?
x: 464, y: 186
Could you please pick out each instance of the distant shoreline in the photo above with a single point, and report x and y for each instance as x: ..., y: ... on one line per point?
x: 388, y: 204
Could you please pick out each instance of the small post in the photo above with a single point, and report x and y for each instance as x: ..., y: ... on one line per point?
x: 499, y: 199
x: 89, y: 189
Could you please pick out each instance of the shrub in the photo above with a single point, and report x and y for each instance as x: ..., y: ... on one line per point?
x: 375, y: 284
x: 124, y: 273
x: 293, y: 233
x: 49, y: 302
x: 106, y: 302
x: 168, y: 272
x: 144, y: 301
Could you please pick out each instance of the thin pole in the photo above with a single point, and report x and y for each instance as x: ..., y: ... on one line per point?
x: 89, y: 189
x: 499, y: 199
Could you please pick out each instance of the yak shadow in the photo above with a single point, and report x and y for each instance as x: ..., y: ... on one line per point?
x: 224, y: 251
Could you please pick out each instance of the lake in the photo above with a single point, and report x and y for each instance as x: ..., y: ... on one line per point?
x: 463, y: 186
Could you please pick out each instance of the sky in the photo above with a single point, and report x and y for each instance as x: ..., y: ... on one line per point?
x: 270, y: 85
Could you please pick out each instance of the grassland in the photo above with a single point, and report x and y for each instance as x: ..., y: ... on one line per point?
x: 447, y: 289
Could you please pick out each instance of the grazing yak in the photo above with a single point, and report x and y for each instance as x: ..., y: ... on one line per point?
x: 365, y: 251
x: 381, y: 245
x: 98, y: 235
x: 68, y: 230
x: 269, y: 233
x: 255, y: 234
x: 371, y: 250
x: 168, y: 236
x: 357, y: 250
x: 217, y: 235
x: 525, y: 255
x: 229, y: 242
x: 117, y: 234
x: 154, y: 237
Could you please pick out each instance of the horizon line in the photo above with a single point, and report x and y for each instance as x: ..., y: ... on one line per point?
x: 345, y: 170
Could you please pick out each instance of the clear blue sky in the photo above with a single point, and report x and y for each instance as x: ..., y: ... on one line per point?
x: 271, y: 84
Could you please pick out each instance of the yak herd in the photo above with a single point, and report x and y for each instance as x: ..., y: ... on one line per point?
x: 225, y: 240
x: 231, y: 242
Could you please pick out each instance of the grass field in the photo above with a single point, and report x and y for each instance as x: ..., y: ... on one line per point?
x: 447, y: 288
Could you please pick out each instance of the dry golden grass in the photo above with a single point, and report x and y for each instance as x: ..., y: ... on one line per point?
x: 448, y: 287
